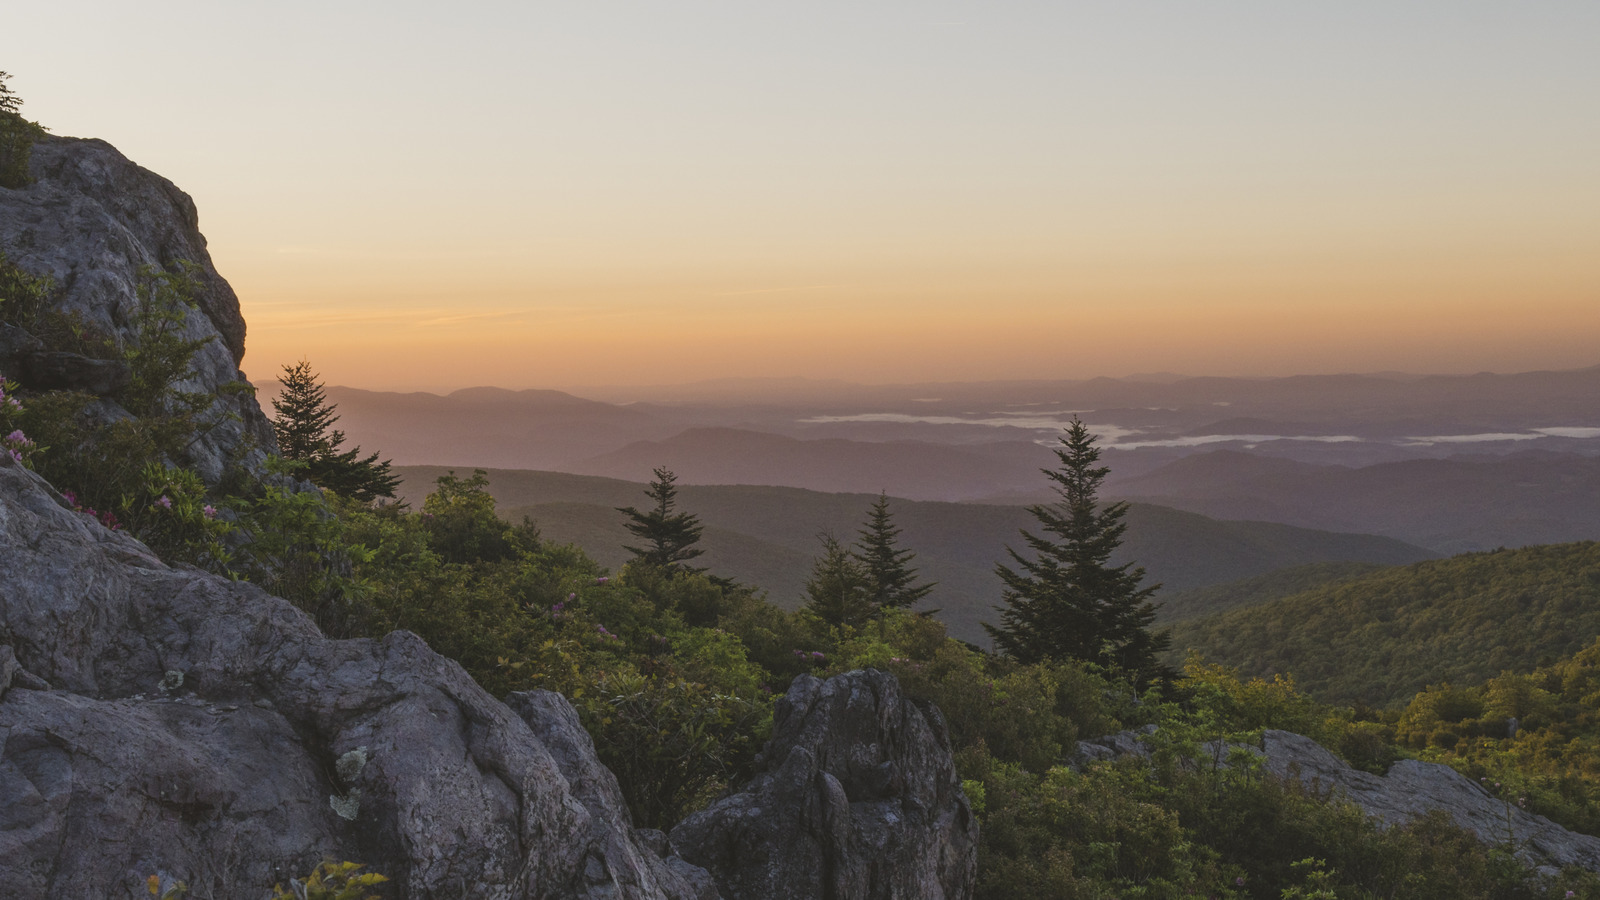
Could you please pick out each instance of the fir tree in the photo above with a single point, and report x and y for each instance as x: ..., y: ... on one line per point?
x: 838, y: 590
x: 17, y: 136
x: 1068, y: 602
x: 669, y: 537
x: 891, y: 581
x: 305, y: 433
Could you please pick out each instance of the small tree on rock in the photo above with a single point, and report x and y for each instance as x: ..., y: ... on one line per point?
x: 891, y: 581
x: 305, y: 433
x: 17, y: 136
x: 1068, y: 601
x: 668, y: 537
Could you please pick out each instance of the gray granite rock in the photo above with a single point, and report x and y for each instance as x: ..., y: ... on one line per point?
x: 89, y: 221
x: 628, y: 859
x: 1410, y: 789
x: 156, y: 720
x: 857, y: 798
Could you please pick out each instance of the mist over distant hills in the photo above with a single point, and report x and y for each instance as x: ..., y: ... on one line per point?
x: 1452, y: 463
x: 1449, y: 505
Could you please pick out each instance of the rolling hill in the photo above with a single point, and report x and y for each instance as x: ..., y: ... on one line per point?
x: 1195, y: 603
x: 767, y: 536
x: 1381, y: 638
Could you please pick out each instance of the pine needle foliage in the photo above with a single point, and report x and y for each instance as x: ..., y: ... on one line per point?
x: 305, y: 433
x: 1068, y: 601
x: 839, y: 590
x: 17, y: 136
x: 669, y: 537
x: 891, y: 581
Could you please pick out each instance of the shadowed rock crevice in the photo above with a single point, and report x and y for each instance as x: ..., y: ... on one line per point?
x: 857, y: 798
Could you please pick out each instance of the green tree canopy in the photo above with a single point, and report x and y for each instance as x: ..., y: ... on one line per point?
x: 669, y: 537
x: 305, y: 433
x: 463, y: 527
x: 1068, y: 601
x: 891, y: 581
x: 838, y: 590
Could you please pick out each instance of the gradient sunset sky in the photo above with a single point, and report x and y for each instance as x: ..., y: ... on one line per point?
x: 430, y: 196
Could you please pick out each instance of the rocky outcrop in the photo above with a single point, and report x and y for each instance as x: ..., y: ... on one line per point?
x: 163, y: 721
x: 857, y: 798
x: 89, y: 221
x: 618, y: 855
x: 1411, y: 788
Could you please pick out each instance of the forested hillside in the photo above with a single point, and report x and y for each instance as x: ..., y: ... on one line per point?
x: 1196, y: 603
x: 1380, y: 638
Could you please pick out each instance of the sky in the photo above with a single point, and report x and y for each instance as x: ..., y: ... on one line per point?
x: 546, y: 194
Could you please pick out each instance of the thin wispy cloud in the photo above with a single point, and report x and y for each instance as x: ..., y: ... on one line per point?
x: 781, y: 290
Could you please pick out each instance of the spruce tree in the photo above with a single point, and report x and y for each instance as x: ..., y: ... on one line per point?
x: 669, y: 537
x: 1068, y: 601
x: 891, y: 581
x: 17, y: 136
x: 305, y: 433
x: 838, y: 590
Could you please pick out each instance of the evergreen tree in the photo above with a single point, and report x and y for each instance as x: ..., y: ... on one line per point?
x: 17, y: 136
x: 305, y: 432
x: 891, y: 582
x: 838, y: 590
x: 1068, y: 602
x: 669, y: 537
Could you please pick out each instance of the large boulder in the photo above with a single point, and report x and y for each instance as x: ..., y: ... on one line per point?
x: 164, y: 721
x: 89, y: 221
x: 857, y: 799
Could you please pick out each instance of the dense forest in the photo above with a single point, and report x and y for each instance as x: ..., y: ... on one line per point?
x: 1382, y: 637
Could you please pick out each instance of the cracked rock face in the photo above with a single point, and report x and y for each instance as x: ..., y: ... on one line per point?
x: 89, y: 221
x: 233, y: 776
x: 858, y: 799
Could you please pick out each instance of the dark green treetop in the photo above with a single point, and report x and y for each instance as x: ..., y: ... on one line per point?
x: 669, y: 537
x: 1068, y: 601
x: 891, y: 581
x: 463, y: 527
x: 838, y: 590
x: 16, y: 138
x: 305, y: 433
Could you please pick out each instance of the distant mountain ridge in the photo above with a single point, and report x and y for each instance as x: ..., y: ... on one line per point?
x: 913, y: 469
x: 1375, y: 454
x: 487, y: 426
x: 767, y: 536
x: 1449, y: 505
